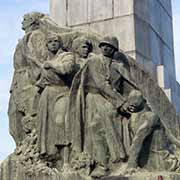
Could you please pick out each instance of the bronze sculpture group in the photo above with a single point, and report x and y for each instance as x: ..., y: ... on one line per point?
x: 74, y: 105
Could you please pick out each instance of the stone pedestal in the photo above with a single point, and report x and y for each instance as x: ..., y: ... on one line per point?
x: 13, y: 170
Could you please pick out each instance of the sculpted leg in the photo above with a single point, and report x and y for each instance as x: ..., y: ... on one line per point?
x: 100, y: 149
x: 150, y: 121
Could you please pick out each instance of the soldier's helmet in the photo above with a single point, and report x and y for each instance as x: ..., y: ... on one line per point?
x: 110, y: 40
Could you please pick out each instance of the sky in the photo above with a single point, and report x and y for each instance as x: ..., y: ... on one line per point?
x: 11, y: 12
x: 176, y: 28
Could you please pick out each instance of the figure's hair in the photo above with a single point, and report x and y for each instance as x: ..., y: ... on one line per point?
x: 34, y: 15
x: 80, y: 40
x: 54, y: 36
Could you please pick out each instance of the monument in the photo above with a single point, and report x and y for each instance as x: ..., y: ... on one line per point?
x: 82, y: 109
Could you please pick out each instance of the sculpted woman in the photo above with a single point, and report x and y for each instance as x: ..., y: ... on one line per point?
x: 55, y: 83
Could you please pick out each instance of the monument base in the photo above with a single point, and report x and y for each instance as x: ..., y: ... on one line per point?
x: 12, y: 169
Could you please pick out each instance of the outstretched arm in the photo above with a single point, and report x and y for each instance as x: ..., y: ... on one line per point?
x: 63, y: 64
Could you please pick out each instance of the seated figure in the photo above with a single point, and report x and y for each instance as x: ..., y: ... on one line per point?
x: 144, y: 137
x: 138, y: 127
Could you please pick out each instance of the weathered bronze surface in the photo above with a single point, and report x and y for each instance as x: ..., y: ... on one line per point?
x: 81, y: 109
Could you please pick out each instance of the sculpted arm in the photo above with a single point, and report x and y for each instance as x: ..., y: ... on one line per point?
x: 64, y: 64
x: 103, y: 87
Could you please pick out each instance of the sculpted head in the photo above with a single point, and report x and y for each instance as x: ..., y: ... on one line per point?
x: 136, y: 100
x: 82, y: 47
x: 54, y: 43
x: 31, y: 21
x: 109, y: 45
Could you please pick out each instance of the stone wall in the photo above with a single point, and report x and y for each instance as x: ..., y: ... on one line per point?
x: 104, y: 17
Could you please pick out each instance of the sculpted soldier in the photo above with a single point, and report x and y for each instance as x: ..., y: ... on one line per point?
x: 108, y: 104
x: 97, y: 96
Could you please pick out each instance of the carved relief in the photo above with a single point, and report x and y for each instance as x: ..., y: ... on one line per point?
x: 79, y: 105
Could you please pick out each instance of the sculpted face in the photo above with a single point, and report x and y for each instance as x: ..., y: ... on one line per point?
x: 83, y: 50
x: 53, y: 45
x: 107, y: 50
x: 27, y: 22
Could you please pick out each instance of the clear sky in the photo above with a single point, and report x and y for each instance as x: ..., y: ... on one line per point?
x: 11, y: 12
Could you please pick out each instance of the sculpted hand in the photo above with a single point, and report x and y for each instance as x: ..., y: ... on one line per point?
x: 132, y: 108
x: 47, y: 65
x: 124, y: 108
x: 128, y: 108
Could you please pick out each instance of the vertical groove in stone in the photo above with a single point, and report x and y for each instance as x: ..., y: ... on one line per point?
x: 112, y: 8
x: 67, y: 3
x: 134, y: 28
x: 87, y: 12
x: 92, y: 11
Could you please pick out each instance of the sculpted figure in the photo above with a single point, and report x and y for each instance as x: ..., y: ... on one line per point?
x: 147, y: 137
x: 30, y: 21
x: 22, y: 99
x: 142, y: 122
x: 35, y: 50
x: 54, y: 47
x: 144, y: 136
x: 95, y: 99
x: 56, y: 81
x: 82, y: 48
x: 29, y: 56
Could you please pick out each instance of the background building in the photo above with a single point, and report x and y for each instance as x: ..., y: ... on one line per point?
x: 143, y: 27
